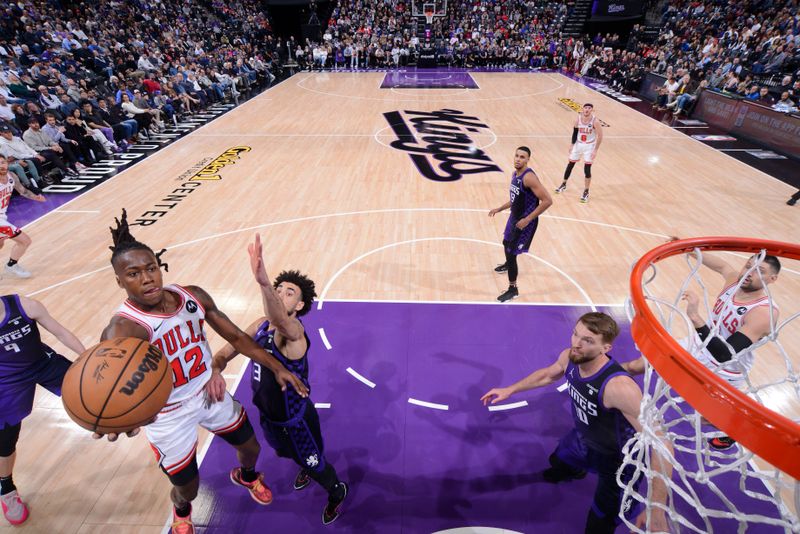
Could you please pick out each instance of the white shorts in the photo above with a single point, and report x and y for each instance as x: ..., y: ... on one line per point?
x: 582, y: 150
x: 8, y: 230
x: 173, y: 435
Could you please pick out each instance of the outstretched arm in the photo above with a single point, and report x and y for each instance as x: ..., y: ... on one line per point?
x: 287, y: 327
x: 36, y: 311
x: 228, y: 352
x: 23, y: 191
x: 244, y: 344
x: 540, y: 377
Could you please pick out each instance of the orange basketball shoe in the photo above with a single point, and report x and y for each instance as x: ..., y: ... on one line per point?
x: 181, y: 525
x: 13, y: 508
x: 259, y: 491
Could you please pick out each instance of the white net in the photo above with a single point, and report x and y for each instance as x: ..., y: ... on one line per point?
x: 712, y: 488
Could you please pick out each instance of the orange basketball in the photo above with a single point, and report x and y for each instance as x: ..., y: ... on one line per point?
x: 117, y: 385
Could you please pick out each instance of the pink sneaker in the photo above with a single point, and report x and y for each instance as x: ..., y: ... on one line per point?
x: 13, y: 508
x: 259, y: 491
x: 181, y: 525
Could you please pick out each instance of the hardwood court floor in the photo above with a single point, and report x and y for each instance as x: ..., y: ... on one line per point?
x: 330, y: 197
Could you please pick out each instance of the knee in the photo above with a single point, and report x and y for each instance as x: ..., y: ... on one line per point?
x: 23, y: 240
x: 9, y: 436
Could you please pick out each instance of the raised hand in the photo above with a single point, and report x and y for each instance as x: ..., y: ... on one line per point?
x: 256, y: 252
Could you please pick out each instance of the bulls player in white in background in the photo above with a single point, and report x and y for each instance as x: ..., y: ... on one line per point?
x: 741, y: 316
x: 172, y: 318
x: 20, y: 239
x: 587, y: 135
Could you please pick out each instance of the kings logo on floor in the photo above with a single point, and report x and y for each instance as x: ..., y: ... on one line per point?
x: 440, y: 143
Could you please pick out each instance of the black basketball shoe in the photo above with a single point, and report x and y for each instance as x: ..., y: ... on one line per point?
x: 503, y: 267
x: 332, y: 510
x: 511, y: 293
x: 302, y: 480
x: 721, y: 443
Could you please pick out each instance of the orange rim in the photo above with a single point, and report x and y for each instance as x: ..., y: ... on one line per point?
x: 768, y: 434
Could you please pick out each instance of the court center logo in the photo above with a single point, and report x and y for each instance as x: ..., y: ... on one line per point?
x: 439, y: 143
x: 206, y: 170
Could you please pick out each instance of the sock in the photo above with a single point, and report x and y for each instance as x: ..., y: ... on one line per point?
x: 6, y: 485
x: 249, y: 474
x: 11, y: 262
x: 184, y: 511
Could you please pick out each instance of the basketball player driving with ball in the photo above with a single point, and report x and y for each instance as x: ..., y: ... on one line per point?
x: 172, y: 318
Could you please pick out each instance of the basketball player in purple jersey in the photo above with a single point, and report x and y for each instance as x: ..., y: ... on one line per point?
x: 605, y: 409
x: 290, y: 423
x: 173, y: 318
x: 529, y: 199
x: 24, y: 362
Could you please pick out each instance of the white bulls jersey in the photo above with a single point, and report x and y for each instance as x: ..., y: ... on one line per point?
x: 726, y: 317
x: 5, y: 195
x: 586, y: 131
x: 181, y: 338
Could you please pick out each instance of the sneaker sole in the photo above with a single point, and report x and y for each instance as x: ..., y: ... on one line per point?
x: 303, y: 486
x: 19, y: 521
x: 262, y: 503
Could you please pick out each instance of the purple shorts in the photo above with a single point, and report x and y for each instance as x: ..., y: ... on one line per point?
x: 516, y: 241
x: 17, y: 390
x: 573, y: 451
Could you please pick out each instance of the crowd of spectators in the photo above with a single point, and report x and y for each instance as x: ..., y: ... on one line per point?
x: 742, y: 47
x: 84, y: 81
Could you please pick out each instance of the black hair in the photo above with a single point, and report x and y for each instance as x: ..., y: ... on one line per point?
x: 305, y: 284
x: 590, y: 105
x: 124, y: 241
x: 773, y: 262
x: 525, y: 149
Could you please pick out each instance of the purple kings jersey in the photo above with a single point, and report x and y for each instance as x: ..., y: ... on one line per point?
x: 20, y: 344
x: 523, y: 199
x: 602, y: 429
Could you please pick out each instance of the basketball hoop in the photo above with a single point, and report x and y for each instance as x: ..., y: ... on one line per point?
x: 682, y: 399
x: 429, y: 10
